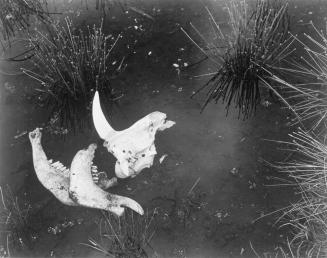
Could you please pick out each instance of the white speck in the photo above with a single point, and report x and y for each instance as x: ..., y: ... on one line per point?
x: 266, y: 103
x: 150, y: 53
x: 234, y: 171
x: 252, y: 185
x: 180, y: 89
x: 9, y: 16
x: 186, y: 64
x: 162, y: 158
x: 310, y: 12
x: 179, y: 59
x: 176, y: 65
x: 136, y: 27
x: 114, y: 62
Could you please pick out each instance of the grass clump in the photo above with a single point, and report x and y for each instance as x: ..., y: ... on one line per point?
x: 311, y: 100
x: 308, y: 216
x: 127, y: 236
x: 246, y: 58
x: 15, y: 223
x: 15, y: 16
x: 70, y: 66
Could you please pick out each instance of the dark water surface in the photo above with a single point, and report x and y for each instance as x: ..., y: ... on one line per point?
x: 205, y: 145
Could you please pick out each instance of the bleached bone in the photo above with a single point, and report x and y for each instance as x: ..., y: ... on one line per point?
x: 133, y: 147
x: 49, y: 176
x: 86, y: 193
x: 54, y: 176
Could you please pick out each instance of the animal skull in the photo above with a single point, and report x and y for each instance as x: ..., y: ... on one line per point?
x: 133, y: 147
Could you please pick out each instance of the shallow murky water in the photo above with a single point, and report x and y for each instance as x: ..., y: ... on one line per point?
x: 226, y: 154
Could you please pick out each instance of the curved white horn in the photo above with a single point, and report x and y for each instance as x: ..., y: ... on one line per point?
x: 130, y: 203
x: 99, y: 120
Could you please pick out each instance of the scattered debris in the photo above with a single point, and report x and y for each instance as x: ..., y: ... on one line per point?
x: 265, y: 103
x: 20, y: 135
x: 162, y: 158
x: 9, y: 87
x: 58, y: 228
x: 52, y: 127
x: 3, y: 251
x: 252, y: 185
x: 79, y: 221
x: 234, y: 171
x: 141, y: 12
x: 221, y: 215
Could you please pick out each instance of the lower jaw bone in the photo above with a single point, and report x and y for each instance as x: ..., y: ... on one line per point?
x: 86, y: 193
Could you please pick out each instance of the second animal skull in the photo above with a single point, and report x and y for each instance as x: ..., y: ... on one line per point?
x: 133, y: 147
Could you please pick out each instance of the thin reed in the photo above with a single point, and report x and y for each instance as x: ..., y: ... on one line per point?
x: 281, y: 251
x: 247, y: 58
x: 70, y: 66
x: 127, y: 236
x: 308, y: 216
x: 311, y: 102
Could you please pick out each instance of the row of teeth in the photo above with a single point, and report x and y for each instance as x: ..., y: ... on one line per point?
x: 94, y: 172
x: 59, y: 166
